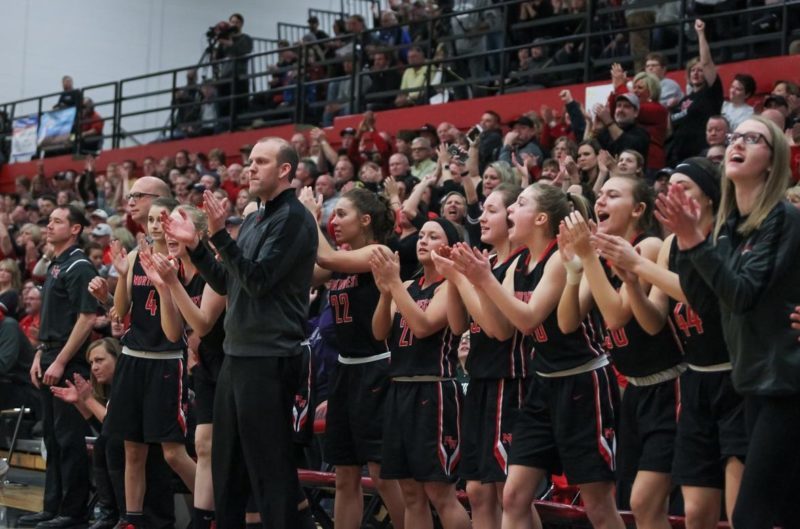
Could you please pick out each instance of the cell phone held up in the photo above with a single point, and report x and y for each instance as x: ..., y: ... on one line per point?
x: 474, y: 133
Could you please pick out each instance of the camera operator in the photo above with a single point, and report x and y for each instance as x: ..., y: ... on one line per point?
x: 235, y: 45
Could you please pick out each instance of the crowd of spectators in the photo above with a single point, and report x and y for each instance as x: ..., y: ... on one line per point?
x: 419, y: 52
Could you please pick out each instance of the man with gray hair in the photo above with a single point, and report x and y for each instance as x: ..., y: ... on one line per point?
x: 422, y: 155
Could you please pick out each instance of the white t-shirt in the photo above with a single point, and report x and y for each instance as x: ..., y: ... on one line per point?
x: 735, y: 115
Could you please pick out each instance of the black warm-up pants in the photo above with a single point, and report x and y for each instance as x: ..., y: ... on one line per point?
x: 770, y: 491
x: 252, y: 449
x: 66, y: 484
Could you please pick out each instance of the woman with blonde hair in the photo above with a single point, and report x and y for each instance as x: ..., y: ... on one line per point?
x: 750, y: 265
x: 10, y: 285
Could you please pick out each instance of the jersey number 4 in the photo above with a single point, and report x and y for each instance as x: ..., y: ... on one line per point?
x: 691, y: 321
x: 341, y: 308
x: 151, y: 305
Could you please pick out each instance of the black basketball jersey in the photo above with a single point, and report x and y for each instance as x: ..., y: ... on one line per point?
x: 490, y: 358
x: 353, y: 298
x: 435, y: 355
x: 210, y: 350
x: 553, y: 350
x: 702, y: 338
x: 635, y: 352
x: 145, y: 332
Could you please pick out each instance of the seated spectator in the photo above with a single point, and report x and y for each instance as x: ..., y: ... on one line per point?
x: 343, y: 172
x: 791, y: 92
x: 415, y: 78
x: 422, y: 158
x: 29, y: 323
x: 671, y: 93
x: 325, y: 188
x: 621, y: 132
x: 91, y: 127
x: 384, y: 77
x: 521, y: 139
x: 717, y: 130
x: 231, y: 182
x: 689, y: 118
x: 70, y: 96
x: 16, y: 357
x: 343, y: 91
x: 300, y: 144
x: 652, y: 116
x: 101, y: 234
x: 10, y: 285
x: 399, y: 167
x: 716, y: 154
x: 793, y: 196
x: 736, y: 110
x: 530, y: 61
x: 306, y: 173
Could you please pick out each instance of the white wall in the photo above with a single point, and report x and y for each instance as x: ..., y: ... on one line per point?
x: 97, y: 41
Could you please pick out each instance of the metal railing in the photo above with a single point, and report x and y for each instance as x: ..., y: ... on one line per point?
x: 305, y: 82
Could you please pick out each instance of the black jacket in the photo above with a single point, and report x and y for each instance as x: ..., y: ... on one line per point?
x: 266, y: 275
x: 757, y: 282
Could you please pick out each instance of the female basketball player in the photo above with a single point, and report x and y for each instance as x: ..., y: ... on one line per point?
x: 353, y: 433
x: 421, y: 437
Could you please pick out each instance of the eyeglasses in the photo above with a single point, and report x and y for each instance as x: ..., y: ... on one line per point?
x: 750, y: 138
x: 137, y: 196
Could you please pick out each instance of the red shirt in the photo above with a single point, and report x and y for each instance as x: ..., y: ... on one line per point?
x: 26, y: 323
x: 230, y: 187
x: 93, y: 125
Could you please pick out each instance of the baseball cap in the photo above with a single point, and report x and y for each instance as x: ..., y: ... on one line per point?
x: 99, y: 213
x: 101, y: 230
x: 348, y: 130
x: 522, y: 120
x: 631, y: 98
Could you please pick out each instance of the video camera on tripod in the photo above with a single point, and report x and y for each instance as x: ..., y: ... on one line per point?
x: 221, y: 30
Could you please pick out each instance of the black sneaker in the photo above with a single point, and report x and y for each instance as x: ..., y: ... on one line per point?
x: 62, y: 522
x: 30, y: 520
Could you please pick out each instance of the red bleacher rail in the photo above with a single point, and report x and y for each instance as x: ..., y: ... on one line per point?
x: 461, y: 113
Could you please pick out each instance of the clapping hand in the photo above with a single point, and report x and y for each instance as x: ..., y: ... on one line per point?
x: 681, y: 215
x: 181, y: 229
x: 217, y: 211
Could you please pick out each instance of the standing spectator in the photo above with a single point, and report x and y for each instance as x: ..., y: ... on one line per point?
x: 68, y: 315
x: 266, y: 274
x: 652, y: 115
x: 521, y: 139
x: 233, y: 73
x: 490, y: 139
x: 690, y: 117
x: 636, y: 16
x: 621, y: 132
x: 70, y: 96
x: 736, y: 110
x: 343, y: 91
x: 313, y: 29
x: 91, y: 127
x: 671, y: 93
